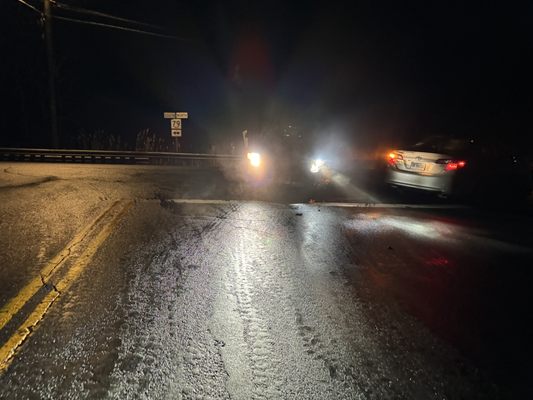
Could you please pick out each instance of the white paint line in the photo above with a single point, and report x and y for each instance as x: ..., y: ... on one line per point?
x: 392, y: 205
x: 193, y: 201
x: 328, y: 204
x: 200, y: 201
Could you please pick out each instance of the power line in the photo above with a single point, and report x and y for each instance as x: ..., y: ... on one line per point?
x: 123, y: 28
x: 101, y: 14
x: 104, y: 15
x: 30, y: 6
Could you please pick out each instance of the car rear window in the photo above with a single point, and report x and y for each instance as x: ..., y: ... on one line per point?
x: 438, y: 144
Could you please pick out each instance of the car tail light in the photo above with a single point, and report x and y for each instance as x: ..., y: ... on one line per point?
x: 451, y: 165
x: 393, y: 157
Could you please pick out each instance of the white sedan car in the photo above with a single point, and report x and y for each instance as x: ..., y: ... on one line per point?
x: 450, y: 166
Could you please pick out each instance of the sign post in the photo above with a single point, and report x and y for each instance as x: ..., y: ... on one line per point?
x: 175, y: 125
x: 245, y: 140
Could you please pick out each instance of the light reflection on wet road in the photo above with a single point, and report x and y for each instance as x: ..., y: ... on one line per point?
x: 248, y: 300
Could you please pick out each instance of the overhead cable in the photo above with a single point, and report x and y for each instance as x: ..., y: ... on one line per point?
x: 123, y: 28
x: 101, y: 14
x: 30, y: 6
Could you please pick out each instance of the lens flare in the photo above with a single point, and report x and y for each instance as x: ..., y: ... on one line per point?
x: 316, y: 165
x: 255, y: 159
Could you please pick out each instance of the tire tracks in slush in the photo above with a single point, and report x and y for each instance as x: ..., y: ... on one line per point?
x: 308, y: 354
x: 311, y: 336
x: 166, y: 345
x: 259, y: 287
x: 264, y: 362
x: 261, y: 310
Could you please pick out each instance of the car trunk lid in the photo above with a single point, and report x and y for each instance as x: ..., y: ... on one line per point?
x: 420, y: 162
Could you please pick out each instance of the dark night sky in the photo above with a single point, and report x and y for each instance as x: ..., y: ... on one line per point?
x: 371, y: 72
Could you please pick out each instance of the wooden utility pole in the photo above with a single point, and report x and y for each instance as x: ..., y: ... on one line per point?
x: 51, y: 72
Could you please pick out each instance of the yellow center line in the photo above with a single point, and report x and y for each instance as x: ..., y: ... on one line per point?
x: 14, y: 305
x: 7, y: 351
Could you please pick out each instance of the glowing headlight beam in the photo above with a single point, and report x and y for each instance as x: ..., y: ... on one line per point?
x: 316, y: 165
x: 255, y: 159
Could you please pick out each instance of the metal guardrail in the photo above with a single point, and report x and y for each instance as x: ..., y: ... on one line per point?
x: 116, y: 157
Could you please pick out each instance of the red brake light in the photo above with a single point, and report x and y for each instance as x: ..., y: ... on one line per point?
x: 451, y: 165
x: 393, y: 157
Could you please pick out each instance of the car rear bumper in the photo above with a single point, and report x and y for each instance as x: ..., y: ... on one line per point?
x: 438, y: 183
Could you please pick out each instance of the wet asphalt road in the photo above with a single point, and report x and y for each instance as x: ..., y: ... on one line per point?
x: 148, y: 295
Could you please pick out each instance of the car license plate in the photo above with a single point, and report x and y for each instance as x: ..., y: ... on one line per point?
x: 417, y: 165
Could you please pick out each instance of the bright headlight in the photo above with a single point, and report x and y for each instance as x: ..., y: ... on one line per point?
x: 316, y: 165
x: 255, y: 159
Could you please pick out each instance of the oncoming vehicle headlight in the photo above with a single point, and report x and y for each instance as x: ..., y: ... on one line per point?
x: 316, y: 165
x: 255, y: 159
